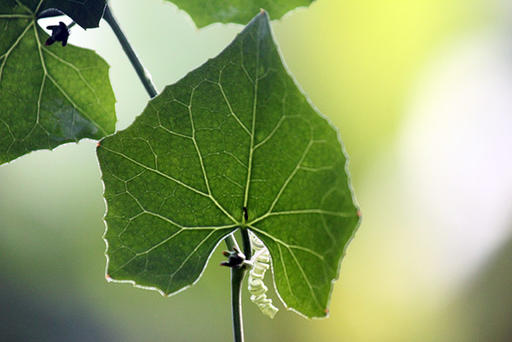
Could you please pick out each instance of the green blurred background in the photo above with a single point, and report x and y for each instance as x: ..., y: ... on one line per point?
x: 422, y: 93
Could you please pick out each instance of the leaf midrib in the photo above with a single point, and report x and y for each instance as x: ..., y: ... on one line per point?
x: 253, y: 128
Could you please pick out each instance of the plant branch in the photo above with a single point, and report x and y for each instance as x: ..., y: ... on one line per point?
x: 238, y: 265
x: 143, y: 74
x: 237, y: 277
x: 246, y: 241
x: 231, y: 243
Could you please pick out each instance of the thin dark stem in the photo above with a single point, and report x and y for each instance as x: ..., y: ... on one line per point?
x: 246, y: 243
x: 143, y: 74
x: 237, y: 276
x: 231, y: 242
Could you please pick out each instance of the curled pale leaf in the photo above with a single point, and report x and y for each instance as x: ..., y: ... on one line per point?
x: 257, y: 287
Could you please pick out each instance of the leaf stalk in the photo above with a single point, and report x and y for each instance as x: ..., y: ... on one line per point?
x: 144, y: 75
x: 246, y: 241
x: 237, y: 277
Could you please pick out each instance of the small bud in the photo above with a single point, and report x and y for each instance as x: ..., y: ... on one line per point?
x: 60, y: 33
x: 235, y: 259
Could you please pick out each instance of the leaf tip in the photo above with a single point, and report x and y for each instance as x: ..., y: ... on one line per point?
x: 264, y: 13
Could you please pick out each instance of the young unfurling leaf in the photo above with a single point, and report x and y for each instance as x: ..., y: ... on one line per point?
x: 257, y: 287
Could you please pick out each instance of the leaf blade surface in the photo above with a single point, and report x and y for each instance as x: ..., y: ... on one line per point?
x: 234, y: 133
x: 235, y: 11
x: 49, y: 95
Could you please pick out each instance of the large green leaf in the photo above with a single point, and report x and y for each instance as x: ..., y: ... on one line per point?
x: 49, y: 95
x: 235, y: 11
x: 235, y: 133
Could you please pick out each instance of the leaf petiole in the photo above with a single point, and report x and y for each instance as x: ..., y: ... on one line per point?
x: 144, y: 75
x: 237, y: 277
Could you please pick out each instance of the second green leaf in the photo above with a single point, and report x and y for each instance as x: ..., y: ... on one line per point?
x: 235, y: 11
